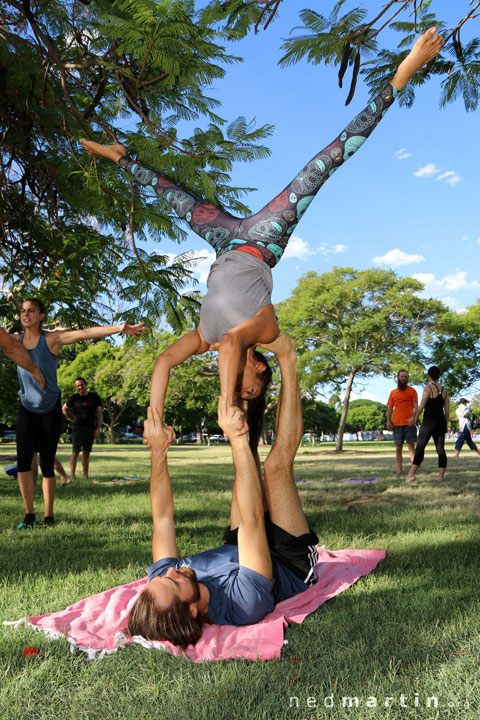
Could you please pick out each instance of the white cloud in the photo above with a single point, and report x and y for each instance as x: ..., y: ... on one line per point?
x: 457, y: 280
x: 430, y: 170
x: 297, y: 248
x: 395, y: 258
x: 364, y: 395
x: 326, y: 249
x: 427, y: 171
x: 450, y: 177
x: 205, y: 258
x: 452, y: 282
x: 478, y: 240
x: 402, y: 154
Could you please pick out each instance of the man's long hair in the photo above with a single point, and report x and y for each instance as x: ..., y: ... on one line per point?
x: 174, y: 624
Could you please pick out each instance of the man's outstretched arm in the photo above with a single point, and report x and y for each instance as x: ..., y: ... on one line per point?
x: 159, y: 438
x: 253, y: 551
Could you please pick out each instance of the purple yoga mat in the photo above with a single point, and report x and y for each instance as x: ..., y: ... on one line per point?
x: 361, y: 480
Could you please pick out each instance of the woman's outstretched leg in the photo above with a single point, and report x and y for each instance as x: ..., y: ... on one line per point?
x: 272, y: 227
x: 213, y: 225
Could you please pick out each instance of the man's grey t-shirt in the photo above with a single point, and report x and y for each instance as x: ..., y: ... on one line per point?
x: 239, y: 285
x: 238, y: 595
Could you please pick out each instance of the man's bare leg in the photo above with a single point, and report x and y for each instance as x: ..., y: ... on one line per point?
x: 398, y: 458
x: 411, y: 450
x: 85, y: 463
x: 281, y: 491
x: 73, y: 464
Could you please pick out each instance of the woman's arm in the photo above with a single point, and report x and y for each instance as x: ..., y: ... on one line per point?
x: 418, y: 410
x: 446, y: 404
x: 190, y: 344
x: 261, y: 329
x: 67, y: 337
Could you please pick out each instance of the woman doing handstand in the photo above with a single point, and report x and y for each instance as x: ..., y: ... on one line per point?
x: 237, y: 313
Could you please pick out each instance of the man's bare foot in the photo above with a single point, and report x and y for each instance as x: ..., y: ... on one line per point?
x: 410, y: 478
x: 399, y: 472
x: 426, y: 47
x: 111, y: 152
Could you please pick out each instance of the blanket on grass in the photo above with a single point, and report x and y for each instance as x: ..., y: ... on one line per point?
x: 96, y: 625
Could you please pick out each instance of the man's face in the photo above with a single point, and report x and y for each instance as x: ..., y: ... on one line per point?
x: 181, y: 583
x: 81, y: 387
x: 402, y: 380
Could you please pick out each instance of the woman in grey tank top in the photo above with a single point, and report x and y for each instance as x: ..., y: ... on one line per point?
x: 237, y: 313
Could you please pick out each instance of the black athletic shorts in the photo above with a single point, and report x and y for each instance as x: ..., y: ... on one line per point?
x: 298, y: 554
x: 82, y: 438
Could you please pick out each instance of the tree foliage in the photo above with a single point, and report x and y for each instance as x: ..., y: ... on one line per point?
x: 366, y: 415
x: 350, y: 324
x: 349, y: 34
x: 113, y: 71
x: 456, y: 349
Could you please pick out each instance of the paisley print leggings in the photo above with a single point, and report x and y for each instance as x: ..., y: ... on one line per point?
x: 266, y: 233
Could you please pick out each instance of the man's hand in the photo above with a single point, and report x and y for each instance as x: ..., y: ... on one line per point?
x: 231, y: 419
x: 97, y: 432
x: 282, y: 346
x: 136, y: 330
x: 155, y: 434
x: 389, y: 425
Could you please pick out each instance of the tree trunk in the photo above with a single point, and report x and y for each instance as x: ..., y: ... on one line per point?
x: 111, y: 434
x: 343, y: 417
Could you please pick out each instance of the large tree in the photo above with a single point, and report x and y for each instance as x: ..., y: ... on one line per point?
x: 109, y: 70
x: 456, y: 349
x: 352, y: 324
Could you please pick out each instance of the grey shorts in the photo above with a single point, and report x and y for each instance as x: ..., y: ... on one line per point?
x: 404, y: 433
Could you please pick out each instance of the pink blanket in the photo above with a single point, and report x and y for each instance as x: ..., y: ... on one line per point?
x: 97, y: 624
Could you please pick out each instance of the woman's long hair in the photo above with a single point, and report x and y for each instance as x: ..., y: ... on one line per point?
x: 256, y: 407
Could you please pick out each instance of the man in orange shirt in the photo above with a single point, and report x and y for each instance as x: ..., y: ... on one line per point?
x: 402, y: 403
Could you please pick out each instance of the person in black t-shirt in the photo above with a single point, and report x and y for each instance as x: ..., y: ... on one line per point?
x: 84, y: 409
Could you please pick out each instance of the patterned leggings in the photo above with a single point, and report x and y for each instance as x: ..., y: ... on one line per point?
x: 266, y: 233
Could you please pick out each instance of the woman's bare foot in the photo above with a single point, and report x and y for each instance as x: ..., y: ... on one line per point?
x: 111, y: 152
x: 426, y: 47
x: 410, y: 478
x: 65, y: 480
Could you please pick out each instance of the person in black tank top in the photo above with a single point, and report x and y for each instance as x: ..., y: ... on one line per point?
x: 436, y: 406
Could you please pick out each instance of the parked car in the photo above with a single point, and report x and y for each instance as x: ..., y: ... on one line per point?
x: 218, y: 439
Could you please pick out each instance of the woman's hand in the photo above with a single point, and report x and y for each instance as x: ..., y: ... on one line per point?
x: 136, y: 330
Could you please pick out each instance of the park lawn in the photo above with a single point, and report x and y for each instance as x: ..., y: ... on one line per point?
x: 408, y: 632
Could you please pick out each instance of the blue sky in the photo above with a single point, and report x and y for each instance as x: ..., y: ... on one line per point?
x: 406, y: 201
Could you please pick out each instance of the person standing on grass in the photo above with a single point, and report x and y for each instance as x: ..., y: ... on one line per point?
x: 85, y: 411
x: 402, y: 404
x: 16, y: 352
x: 465, y: 427
x: 269, y: 552
x: 436, y: 406
x: 39, y: 421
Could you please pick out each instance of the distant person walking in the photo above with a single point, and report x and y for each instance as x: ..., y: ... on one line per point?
x: 402, y: 403
x: 465, y: 427
x: 84, y: 409
x: 436, y: 406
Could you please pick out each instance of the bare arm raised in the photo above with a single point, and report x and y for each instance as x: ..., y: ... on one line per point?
x: 14, y: 350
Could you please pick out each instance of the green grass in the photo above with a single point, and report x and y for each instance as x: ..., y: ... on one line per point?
x: 411, y: 628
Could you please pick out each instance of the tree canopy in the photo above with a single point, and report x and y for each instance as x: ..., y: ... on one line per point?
x: 123, y: 71
x: 350, y: 324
